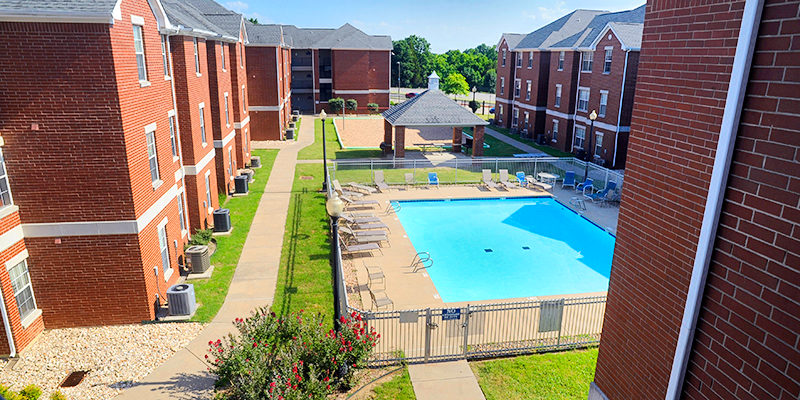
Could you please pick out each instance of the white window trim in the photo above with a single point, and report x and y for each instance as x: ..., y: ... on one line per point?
x: 528, y: 89
x: 603, y: 92
x: 554, y: 136
x: 504, y: 58
x: 502, y: 85
x: 203, y: 133
x: 142, y: 82
x: 606, y: 60
x: 8, y: 184
x: 526, y: 120
x: 151, y: 128
x: 517, y: 85
x: 591, y: 66
x: 519, y: 60
x: 227, y: 113
x: 530, y: 60
x: 222, y: 55
x: 169, y: 271
x: 557, y: 103
x: 197, y: 69
x: 588, y: 98
x: 13, y: 262
x: 515, y: 116
x: 559, y: 61
x: 575, y: 136
x: 207, y: 180
x: 137, y: 20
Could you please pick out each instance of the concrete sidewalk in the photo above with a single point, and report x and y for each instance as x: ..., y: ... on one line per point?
x: 522, y: 146
x: 444, y: 381
x: 185, y: 375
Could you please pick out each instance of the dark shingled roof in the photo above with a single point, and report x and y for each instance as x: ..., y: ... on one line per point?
x: 580, y: 28
x: 431, y: 107
x: 58, y: 6
x: 205, y: 15
x: 342, y: 38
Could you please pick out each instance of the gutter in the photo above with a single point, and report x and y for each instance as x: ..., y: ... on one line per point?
x: 619, y: 111
x: 748, y: 33
x: 12, y: 348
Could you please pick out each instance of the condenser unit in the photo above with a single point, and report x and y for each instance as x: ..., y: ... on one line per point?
x: 222, y: 220
x: 181, y: 299
x: 199, y: 257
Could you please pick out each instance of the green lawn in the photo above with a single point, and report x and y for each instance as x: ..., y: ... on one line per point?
x: 210, y: 293
x: 297, y: 128
x: 304, y: 277
x: 398, y: 388
x: 547, y: 149
x: 497, y: 147
x: 549, y: 376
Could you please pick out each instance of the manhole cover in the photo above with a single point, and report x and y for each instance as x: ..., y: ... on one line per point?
x: 307, y: 178
x: 73, y: 379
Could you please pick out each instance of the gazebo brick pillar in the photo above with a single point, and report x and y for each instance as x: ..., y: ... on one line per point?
x: 457, y: 132
x: 477, y: 141
x: 387, y: 132
x: 399, y: 142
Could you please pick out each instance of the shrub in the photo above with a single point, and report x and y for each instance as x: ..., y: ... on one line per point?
x: 351, y: 104
x: 31, y: 392
x: 57, y: 395
x: 336, y: 104
x: 201, y: 237
x: 289, y: 358
x: 474, y: 105
x: 372, y: 107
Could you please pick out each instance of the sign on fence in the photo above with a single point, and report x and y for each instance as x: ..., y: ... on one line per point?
x: 449, y: 314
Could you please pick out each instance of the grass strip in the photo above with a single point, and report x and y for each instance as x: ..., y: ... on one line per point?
x: 210, y: 293
x: 398, y: 388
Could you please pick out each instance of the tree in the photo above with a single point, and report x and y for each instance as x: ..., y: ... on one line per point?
x: 336, y: 104
x: 455, y: 83
x: 351, y: 104
x: 253, y: 20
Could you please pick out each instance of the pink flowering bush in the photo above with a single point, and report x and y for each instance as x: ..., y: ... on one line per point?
x: 289, y: 358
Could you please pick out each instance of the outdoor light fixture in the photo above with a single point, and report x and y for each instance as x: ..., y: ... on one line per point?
x: 474, y: 89
x: 592, y: 117
x: 335, y: 206
x: 324, y: 116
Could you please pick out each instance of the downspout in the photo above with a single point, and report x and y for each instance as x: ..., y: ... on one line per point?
x: 619, y: 110
x: 719, y: 176
x: 12, y: 348
x: 577, y: 98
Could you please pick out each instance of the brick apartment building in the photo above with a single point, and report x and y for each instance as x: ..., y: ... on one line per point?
x: 550, y: 80
x: 301, y: 69
x: 104, y: 150
x: 704, y: 295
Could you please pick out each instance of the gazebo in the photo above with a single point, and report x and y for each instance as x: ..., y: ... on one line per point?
x: 432, y: 108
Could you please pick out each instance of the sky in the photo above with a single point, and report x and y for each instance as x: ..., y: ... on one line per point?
x: 446, y: 24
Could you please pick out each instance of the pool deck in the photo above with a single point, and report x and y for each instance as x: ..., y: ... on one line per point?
x: 410, y: 290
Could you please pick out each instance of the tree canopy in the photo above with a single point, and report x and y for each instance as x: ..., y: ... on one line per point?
x: 455, y: 83
x: 476, y: 66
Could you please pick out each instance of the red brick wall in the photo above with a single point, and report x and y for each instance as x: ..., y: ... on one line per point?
x: 680, y: 95
x: 361, y: 70
x: 263, y: 77
x: 746, y: 345
x: 238, y: 72
x: 219, y: 83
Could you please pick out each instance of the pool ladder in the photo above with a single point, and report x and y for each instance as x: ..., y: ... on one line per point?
x: 422, y: 260
x: 393, y: 207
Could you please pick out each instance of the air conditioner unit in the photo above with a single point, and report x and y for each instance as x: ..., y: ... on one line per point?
x: 249, y: 173
x: 241, y: 183
x: 255, y: 162
x: 181, y: 299
x: 222, y: 220
x: 199, y: 257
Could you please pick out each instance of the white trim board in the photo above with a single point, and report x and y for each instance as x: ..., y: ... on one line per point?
x: 11, y: 237
x: 221, y: 143
x: 239, y: 125
x: 194, y: 169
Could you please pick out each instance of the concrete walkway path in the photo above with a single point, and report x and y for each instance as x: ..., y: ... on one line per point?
x: 444, y: 381
x: 522, y: 146
x: 185, y: 375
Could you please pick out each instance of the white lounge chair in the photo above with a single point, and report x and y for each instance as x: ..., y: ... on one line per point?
x: 378, y: 238
x: 338, y: 188
x: 505, y: 182
x: 357, y: 186
x: 350, y: 202
x: 381, y: 300
x: 374, y: 273
x: 410, y: 180
x: 363, y: 225
x: 487, y: 179
x: 360, y: 248
x: 379, y: 181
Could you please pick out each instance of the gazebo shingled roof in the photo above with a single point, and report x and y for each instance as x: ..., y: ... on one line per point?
x: 431, y: 108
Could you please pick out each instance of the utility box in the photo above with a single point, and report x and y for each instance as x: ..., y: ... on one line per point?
x: 241, y: 182
x: 181, y: 299
x: 222, y: 220
x: 199, y: 257
x: 255, y: 162
x: 290, y: 134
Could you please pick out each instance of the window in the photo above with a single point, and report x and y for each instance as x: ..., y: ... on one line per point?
x: 504, y: 58
x: 500, y: 115
x: 244, y: 142
x: 502, y: 85
x: 528, y: 92
x: 181, y: 215
x: 561, y: 61
x: 586, y: 66
x: 165, y: 54
x: 530, y: 59
x: 583, y: 100
x: 152, y: 156
x: 173, y: 141
x: 517, y: 85
x: 598, y: 148
x: 555, y: 130
x: 23, y: 292
x: 162, y: 245
x: 5, y: 190
x: 227, y: 118
x: 607, y: 65
x: 138, y: 47
x: 222, y: 54
x: 208, y: 191
x: 558, y: 95
x: 196, y: 57
x: 580, y: 136
x: 202, y: 124
x: 519, y: 60
x: 241, y: 56
x: 230, y: 161
x: 244, y: 101
x: 603, y: 103
x: 525, y: 124
x: 515, y: 119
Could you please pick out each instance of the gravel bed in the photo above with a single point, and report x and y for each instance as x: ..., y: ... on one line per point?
x: 115, y: 356
x: 270, y: 144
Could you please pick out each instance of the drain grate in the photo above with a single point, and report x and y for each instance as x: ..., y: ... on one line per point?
x: 488, y: 250
x: 307, y: 178
x: 73, y: 379
x: 525, y: 248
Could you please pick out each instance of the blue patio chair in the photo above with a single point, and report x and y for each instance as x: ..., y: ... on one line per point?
x: 601, y: 195
x: 521, y: 178
x: 587, y: 184
x: 433, y: 179
x: 569, y: 179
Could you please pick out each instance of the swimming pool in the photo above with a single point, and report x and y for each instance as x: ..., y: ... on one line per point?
x: 490, y: 249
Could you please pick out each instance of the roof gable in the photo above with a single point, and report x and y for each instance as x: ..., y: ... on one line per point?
x: 431, y: 108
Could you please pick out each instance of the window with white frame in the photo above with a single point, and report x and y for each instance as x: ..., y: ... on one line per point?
x: 5, y: 189
x: 181, y: 214
x: 530, y: 59
x: 603, y: 103
x: 196, y: 57
x: 528, y: 91
x: 244, y: 101
x: 241, y: 56
x: 525, y: 122
x: 504, y: 58
x: 502, y: 85
x: 152, y: 156
x: 244, y: 142
x: 222, y: 54
x: 500, y: 115
x: 583, y: 99
x: 208, y: 191
x: 558, y: 95
x: 515, y: 118
x: 517, y: 87
x: 202, y: 124
x: 172, y: 137
x: 138, y: 47
x: 555, y: 130
x: 23, y: 291
x: 230, y: 161
x: 165, y: 55
x: 586, y: 65
x: 519, y: 60
x: 580, y: 136
x: 162, y: 245
x: 560, y: 60
x: 598, y: 147
x: 227, y: 118
x: 607, y: 65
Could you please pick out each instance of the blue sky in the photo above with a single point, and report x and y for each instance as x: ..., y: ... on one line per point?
x: 446, y: 24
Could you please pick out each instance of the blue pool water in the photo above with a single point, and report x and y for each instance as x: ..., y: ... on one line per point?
x: 566, y: 254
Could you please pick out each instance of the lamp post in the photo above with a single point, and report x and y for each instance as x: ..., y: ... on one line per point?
x: 398, y: 77
x: 335, y: 206
x: 323, y: 116
x: 592, y: 117
x: 474, y: 89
